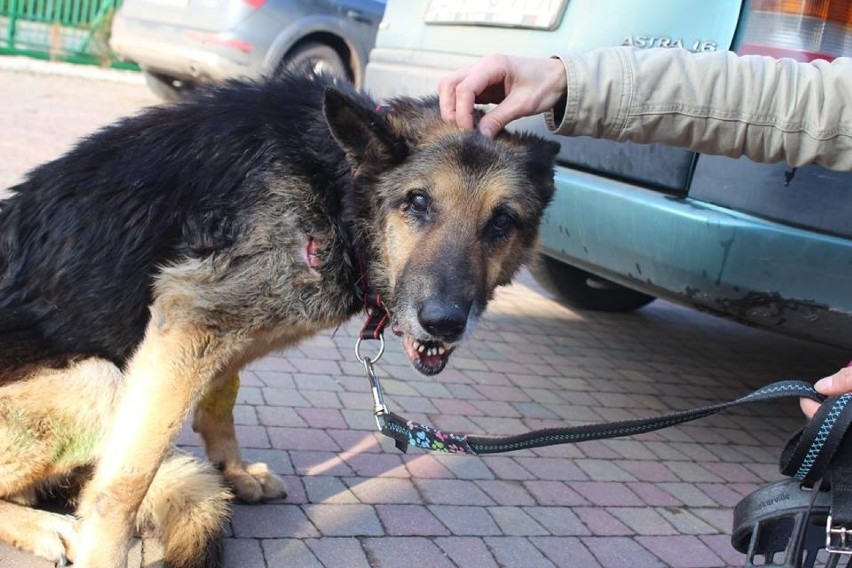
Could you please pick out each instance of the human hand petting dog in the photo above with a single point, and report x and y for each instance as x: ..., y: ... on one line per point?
x: 521, y: 86
x: 832, y: 385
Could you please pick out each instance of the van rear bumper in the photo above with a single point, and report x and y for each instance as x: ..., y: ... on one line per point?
x: 742, y: 267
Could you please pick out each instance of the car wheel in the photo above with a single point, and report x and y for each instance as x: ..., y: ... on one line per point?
x: 580, y: 289
x: 164, y: 87
x: 312, y: 57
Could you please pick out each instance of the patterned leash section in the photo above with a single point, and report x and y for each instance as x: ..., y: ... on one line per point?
x: 409, y: 433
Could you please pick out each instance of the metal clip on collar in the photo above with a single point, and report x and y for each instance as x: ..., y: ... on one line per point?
x: 379, y: 406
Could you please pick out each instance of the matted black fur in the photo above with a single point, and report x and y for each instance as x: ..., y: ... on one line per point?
x: 83, y: 236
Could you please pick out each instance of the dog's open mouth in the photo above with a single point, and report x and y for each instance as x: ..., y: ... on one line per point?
x: 429, y: 357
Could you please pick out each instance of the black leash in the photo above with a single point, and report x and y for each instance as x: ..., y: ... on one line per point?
x: 409, y: 433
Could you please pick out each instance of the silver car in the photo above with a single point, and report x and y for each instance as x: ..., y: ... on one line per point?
x: 182, y: 43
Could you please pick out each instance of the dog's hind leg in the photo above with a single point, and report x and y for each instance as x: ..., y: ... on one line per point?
x: 172, y: 366
x: 214, y: 420
x: 186, y: 505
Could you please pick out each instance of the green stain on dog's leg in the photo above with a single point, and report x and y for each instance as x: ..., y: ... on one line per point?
x: 220, y: 402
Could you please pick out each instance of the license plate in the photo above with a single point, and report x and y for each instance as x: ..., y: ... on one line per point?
x: 533, y: 14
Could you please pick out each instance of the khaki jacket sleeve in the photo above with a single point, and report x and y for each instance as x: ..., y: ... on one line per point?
x: 716, y: 103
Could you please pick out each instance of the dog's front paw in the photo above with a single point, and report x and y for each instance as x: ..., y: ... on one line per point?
x: 254, y: 482
x: 54, y: 538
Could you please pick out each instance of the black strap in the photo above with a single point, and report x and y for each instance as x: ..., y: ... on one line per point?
x: 809, y: 452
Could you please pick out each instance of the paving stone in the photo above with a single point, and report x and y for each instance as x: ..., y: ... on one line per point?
x: 326, y: 489
x: 507, y: 468
x: 643, y: 520
x: 426, y: 466
x: 375, y: 465
x: 604, y: 470
x: 404, y: 552
x: 616, y: 552
x: 684, y: 521
x: 410, y: 520
x: 688, y: 494
x: 319, y: 463
x: 280, y: 416
x: 278, y: 462
x: 271, y: 521
x: 338, y: 551
x: 681, y: 551
x: 467, y: 552
x: 465, y: 467
x: 553, y: 469
x: 693, y: 473
x: 651, y: 494
x: 246, y: 553
x: 322, y: 417
x: 452, y: 492
x: 648, y: 470
x: 559, y: 521
x: 289, y: 552
x: 344, y: 520
x: 606, y: 494
x: 356, y: 442
x: 554, y: 493
x: 383, y: 490
x: 565, y: 552
x: 516, y: 551
x: 721, y: 546
x: 514, y: 521
x: 600, y: 522
x: 306, y: 439
x: 506, y: 492
x: 466, y: 521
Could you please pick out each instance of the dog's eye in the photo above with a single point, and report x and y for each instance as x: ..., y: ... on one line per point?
x: 501, y: 223
x: 418, y: 202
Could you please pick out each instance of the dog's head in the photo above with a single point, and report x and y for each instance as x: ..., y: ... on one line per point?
x: 451, y: 214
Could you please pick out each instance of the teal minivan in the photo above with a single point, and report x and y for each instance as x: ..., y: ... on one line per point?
x: 756, y: 243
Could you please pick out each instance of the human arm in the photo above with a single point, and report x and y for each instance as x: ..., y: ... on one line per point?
x: 766, y: 109
x: 717, y: 103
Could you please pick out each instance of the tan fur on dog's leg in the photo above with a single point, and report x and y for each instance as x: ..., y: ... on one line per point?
x: 214, y: 420
x: 186, y: 505
x: 49, y: 535
x: 166, y: 376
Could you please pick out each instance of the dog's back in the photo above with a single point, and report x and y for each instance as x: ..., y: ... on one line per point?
x: 83, y: 237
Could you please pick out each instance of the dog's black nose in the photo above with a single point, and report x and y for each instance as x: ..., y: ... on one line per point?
x: 443, y: 321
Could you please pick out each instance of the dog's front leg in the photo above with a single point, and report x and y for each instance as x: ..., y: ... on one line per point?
x: 171, y: 367
x: 214, y: 421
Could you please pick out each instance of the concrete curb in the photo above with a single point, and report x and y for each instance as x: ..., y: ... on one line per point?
x: 21, y: 64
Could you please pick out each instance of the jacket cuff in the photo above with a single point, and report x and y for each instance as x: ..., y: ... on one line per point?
x: 555, y: 117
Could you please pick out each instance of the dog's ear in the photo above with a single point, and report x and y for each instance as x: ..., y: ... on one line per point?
x: 363, y: 132
x: 541, y: 158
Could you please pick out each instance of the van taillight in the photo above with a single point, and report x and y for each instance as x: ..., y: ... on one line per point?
x: 255, y: 3
x: 802, y: 29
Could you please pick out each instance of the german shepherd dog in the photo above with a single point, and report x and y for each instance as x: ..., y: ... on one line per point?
x: 142, y: 270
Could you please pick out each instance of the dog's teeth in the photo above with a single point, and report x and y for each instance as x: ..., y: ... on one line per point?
x: 432, y: 351
x: 441, y: 350
x: 421, y: 348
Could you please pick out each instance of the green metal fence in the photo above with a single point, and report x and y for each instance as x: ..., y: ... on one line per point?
x: 65, y: 30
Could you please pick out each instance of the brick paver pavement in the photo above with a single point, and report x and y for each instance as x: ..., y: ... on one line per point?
x: 659, y: 499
